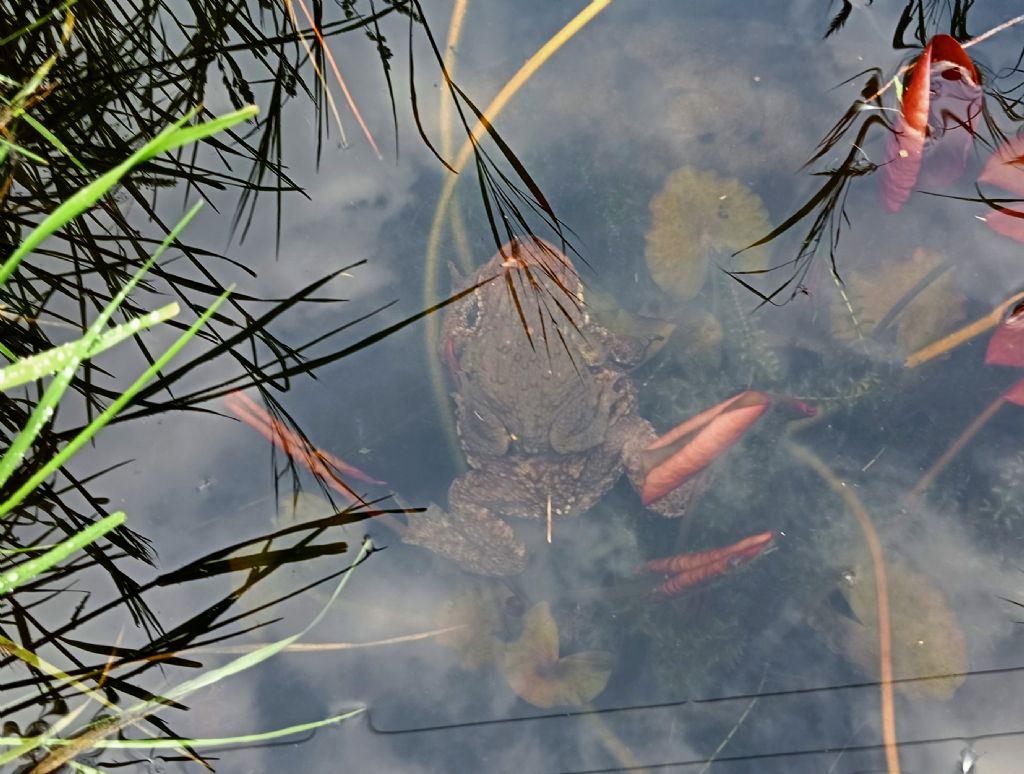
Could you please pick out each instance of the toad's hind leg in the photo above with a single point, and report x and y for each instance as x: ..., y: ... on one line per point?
x: 470, y: 534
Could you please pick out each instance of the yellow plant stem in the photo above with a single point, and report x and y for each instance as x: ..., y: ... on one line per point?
x: 860, y: 513
x: 612, y: 743
x: 445, y: 108
x: 969, y: 432
x: 432, y: 269
x: 456, y: 222
x: 963, y: 335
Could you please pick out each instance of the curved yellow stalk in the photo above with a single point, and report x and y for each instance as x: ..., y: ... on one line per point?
x: 860, y: 513
x: 445, y: 115
x: 964, y: 334
x: 432, y: 268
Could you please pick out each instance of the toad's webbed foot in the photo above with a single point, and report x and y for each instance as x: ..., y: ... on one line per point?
x: 470, y: 535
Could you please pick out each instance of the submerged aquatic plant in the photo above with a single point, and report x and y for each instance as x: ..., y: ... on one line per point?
x: 956, y: 78
x: 698, y: 218
x: 939, y: 115
x: 539, y: 675
x: 929, y: 650
x: 1003, y: 505
x: 905, y: 302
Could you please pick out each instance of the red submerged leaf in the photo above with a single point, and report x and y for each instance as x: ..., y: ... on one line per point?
x: 947, y: 49
x: 699, y: 441
x: 899, y: 173
x: 1005, y: 168
x: 1016, y: 393
x: 1006, y: 347
x: 941, y: 103
x: 748, y: 547
x: 689, y: 570
x: 321, y: 463
x: 1007, y: 222
x: 690, y: 447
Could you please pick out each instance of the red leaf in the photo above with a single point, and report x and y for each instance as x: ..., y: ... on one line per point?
x: 690, y: 447
x: 947, y: 49
x: 688, y: 570
x: 899, y: 173
x: 684, y: 562
x: 941, y: 103
x: 1006, y: 347
x: 699, y: 441
x: 1016, y: 393
x: 1005, y: 168
x: 1008, y: 222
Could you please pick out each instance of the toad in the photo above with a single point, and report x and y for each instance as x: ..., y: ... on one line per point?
x: 545, y: 410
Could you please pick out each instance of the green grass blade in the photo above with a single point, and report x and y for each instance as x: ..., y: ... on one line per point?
x: 143, y: 708
x: 248, y: 660
x: 43, y: 18
x: 164, y: 743
x: 109, y: 413
x: 8, y: 146
x: 42, y: 665
x: 51, y: 138
x: 51, y: 397
x: 52, y: 360
x: 26, y: 571
x: 170, y: 138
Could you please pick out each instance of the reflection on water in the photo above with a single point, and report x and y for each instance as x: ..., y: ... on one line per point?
x: 825, y: 585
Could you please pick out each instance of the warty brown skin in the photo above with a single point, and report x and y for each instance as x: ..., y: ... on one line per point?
x: 550, y: 417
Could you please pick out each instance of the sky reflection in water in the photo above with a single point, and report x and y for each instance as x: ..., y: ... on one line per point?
x: 639, y: 93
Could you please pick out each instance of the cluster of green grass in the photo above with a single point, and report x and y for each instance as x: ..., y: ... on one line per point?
x: 68, y: 738
x: 61, y: 363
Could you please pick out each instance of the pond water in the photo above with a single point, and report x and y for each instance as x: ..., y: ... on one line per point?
x: 666, y: 137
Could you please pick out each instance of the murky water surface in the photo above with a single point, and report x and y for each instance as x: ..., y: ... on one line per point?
x: 666, y: 137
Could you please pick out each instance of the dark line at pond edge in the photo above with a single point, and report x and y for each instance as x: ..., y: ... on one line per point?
x: 682, y: 702
x: 797, y: 754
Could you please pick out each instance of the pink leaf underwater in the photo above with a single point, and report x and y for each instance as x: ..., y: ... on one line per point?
x: 1006, y: 347
x: 687, y: 570
x: 1005, y: 169
x: 941, y: 104
x: 1016, y: 393
x: 694, y: 444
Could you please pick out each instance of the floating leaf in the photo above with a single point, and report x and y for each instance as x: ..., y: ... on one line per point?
x: 536, y: 673
x: 941, y: 102
x: 927, y: 640
x: 1005, y: 169
x: 479, y: 609
x: 696, y: 217
x: 914, y: 298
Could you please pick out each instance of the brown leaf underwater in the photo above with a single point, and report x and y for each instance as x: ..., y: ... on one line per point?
x: 927, y: 639
x: 696, y: 218
x: 536, y: 673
